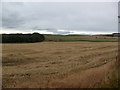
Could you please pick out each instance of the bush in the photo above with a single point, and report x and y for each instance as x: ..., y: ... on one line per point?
x: 22, y: 38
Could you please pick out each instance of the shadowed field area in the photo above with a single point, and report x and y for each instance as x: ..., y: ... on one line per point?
x: 60, y: 64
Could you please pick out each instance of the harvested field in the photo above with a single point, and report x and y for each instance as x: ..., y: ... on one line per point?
x: 59, y: 64
x: 97, y: 38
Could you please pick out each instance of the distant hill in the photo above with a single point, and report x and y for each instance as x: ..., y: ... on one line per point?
x: 113, y: 35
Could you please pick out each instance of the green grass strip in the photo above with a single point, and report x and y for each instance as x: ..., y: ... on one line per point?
x: 80, y: 40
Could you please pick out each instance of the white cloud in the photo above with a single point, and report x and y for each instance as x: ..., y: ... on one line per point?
x: 57, y: 17
x: 62, y: 32
x: 88, y: 32
x: 8, y: 31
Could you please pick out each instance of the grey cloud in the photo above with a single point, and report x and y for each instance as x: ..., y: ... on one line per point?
x: 63, y: 32
x: 53, y: 16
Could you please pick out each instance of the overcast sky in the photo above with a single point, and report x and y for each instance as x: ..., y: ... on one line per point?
x: 60, y: 17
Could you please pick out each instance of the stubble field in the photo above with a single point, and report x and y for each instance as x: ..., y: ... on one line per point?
x: 59, y: 64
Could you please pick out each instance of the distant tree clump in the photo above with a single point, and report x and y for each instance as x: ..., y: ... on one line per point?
x: 22, y: 38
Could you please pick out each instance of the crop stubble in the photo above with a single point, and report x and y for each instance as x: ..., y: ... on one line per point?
x: 58, y: 64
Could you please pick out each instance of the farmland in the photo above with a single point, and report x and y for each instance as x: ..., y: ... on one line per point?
x: 88, y: 38
x: 53, y: 64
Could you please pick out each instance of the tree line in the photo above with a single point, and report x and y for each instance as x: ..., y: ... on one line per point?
x: 22, y: 38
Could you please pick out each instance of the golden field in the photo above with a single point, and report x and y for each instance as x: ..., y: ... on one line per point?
x: 59, y: 64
